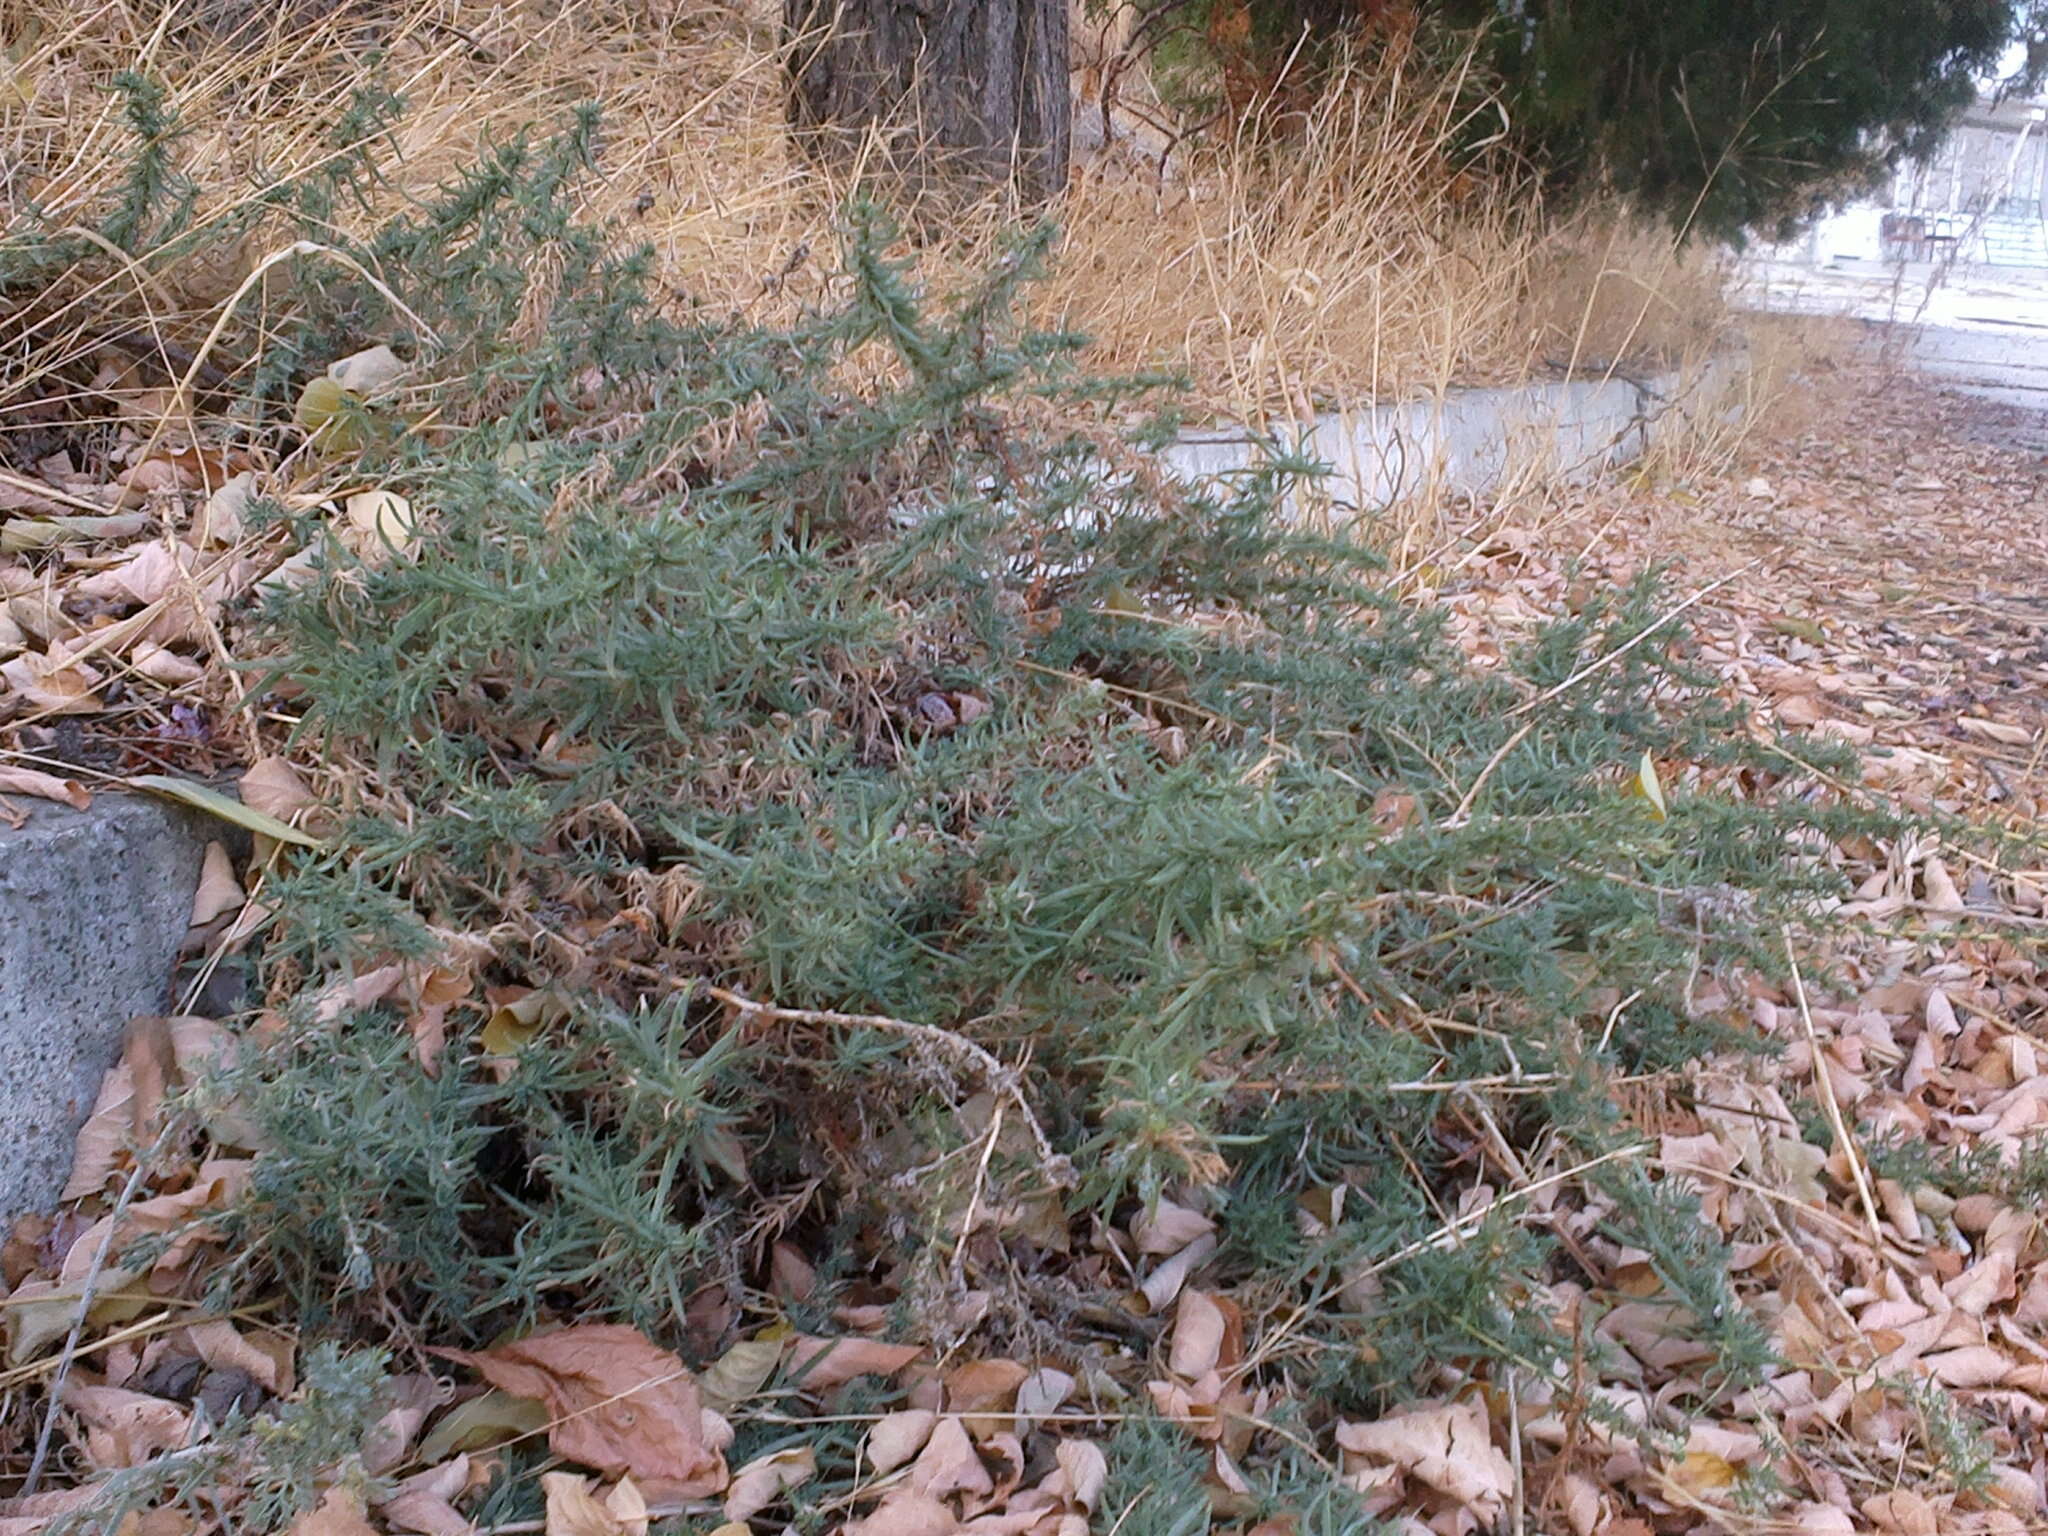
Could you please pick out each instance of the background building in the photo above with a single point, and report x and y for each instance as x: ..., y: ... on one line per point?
x: 1978, y: 201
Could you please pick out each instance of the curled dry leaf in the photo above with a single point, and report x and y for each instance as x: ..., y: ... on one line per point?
x: 1822, y: 1520
x: 124, y: 1428
x: 380, y: 524
x: 1902, y: 1512
x: 216, y: 1184
x: 1167, y: 1228
x: 1449, y: 1447
x: 1041, y: 1393
x: 573, y: 1509
x: 483, y: 1421
x: 160, y: 1054
x: 265, y: 1357
x: 1208, y: 1335
x: 740, y: 1372
x: 619, y: 1404
x: 764, y: 1480
x: 1164, y: 1283
x: 146, y: 574
x: 219, y: 891
x: 367, y: 371
x: 790, y: 1275
x: 44, y: 786
x: 1086, y: 1471
x: 52, y: 684
x: 163, y: 666
x: 984, y: 1392
x: 1996, y: 730
x: 339, y: 1513
x: 219, y: 522
x: 273, y: 786
x: 1942, y: 894
x: 407, y: 1402
x: 949, y: 1464
x: 904, y: 1513
x: 424, y: 1503
x: 818, y: 1365
x: 518, y: 1016
x: 1976, y: 1365
x: 897, y: 1437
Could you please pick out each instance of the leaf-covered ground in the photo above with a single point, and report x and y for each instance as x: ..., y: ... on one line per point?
x: 1877, y: 1170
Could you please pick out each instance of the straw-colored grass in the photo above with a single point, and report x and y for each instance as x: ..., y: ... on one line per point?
x: 1334, y: 257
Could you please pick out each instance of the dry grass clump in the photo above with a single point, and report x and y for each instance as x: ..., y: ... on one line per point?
x: 1335, y: 255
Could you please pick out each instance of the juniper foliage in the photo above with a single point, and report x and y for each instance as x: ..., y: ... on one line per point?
x: 869, y: 668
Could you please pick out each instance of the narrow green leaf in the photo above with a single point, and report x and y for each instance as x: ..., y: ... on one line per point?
x: 226, y: 807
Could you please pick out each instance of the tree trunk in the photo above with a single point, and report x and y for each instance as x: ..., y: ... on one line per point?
x: 965, y: 95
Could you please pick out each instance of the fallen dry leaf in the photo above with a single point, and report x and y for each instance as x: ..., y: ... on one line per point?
x: 481, y: 1422
x: 1086, y: 1469
x: 265, y: 1357
x: 949, y: 1464
x: 219, y: 891
x: 1449, y: 1447
x: 340, y: 1512
x: 1167, y: 1228
x: 1208, y: 1334
x: 408, y: 1401
x: 424, y: 1503
x: 818, y: 1365
x: 620, y: 1404
x: 897, y: 1437
x: 44, y: 786
x: 125, y: 1429
x: 271, y: 785
x: 164, y: 666
x: 740, y: 1372
x: 574, y: 1510
x: 983, y: 1392
x: 764, y: 1480
x: 904, y: 1513
x: 381, y: 524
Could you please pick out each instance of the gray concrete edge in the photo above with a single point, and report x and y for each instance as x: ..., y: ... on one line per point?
x: 1470, y: 442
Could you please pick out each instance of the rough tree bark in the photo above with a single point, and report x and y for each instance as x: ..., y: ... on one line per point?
x: 966, y: 94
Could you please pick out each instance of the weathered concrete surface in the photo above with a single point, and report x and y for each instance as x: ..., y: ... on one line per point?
x: 93, y: 906
x: 1470, y: 442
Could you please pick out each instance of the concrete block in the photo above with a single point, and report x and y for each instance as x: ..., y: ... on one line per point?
x: 93, y: 907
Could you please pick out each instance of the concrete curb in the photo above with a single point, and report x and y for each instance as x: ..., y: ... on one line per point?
x: 1470, y: 442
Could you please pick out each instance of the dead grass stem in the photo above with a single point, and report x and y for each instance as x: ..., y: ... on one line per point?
x: 1349, y: 250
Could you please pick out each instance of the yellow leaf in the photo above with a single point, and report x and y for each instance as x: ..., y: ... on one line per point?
x: 515, y: 1022
x: 1703, y: 1472
x: 740, y: 1372
x: 483, y: 1421
x: 1650, y: 787
x: 17, y: 85
x: 332, y: 417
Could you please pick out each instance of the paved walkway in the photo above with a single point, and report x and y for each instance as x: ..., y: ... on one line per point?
x: 1985, y: 333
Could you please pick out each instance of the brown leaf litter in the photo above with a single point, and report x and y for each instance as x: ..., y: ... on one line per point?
x: 1882, y: 590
